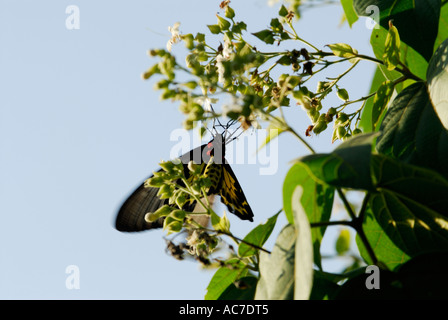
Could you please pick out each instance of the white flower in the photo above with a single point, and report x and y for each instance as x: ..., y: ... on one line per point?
x: 220, y: 66
x: 175, y: 36
x: 227, y: 49
x: 205, y: 102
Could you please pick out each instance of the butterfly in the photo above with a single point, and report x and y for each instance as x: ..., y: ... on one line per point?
x: 211, y: 157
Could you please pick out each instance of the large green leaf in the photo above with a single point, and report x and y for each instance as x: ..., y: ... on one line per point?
x: 277, y: 269
x: 412, y: 132
x: 416, y: 21
x: 425, y: 276
x: 349, y: 11
x: 442, y: 35
x: 385, y: 250
x: 410, y: 205
x: 380, y: 101
x: 438, y: 82
x: 243, y: 290
x: 317, y: 202
x: 223, y: 278
x: 422, y: 277
x: 409, y: 57
x: 257, y: 237
x: 348, y: 166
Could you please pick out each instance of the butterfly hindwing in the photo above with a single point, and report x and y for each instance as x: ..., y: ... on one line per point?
x: 232, y: 195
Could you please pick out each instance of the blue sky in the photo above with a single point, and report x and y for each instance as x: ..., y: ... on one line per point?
x: 80, y: 129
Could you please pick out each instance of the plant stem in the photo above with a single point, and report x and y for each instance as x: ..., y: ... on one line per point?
x: 243, y: 241
x: 331, y: 223
x: 346, y: 204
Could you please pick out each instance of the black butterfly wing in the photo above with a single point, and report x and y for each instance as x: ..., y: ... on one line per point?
x: 131, y: 216
x: 232, y: 195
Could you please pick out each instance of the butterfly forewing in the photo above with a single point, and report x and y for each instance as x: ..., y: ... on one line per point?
x: 131, y: 216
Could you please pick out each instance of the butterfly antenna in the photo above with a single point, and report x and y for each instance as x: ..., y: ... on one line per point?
x: 234, y: 138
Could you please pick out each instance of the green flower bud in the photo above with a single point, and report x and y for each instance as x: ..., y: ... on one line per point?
x: 161, y: 212
x: 189, y: 41
x: 340, y: 132
x: 319, y: 127
x: 168, y: 166
x: 178, y: 215
x: 193, y: 167
x: 313, y: 114
x: 150, y: 72
x: 331, y: 111
x: 343, y: 242
x: 322, y: 86
x: 181, y: 199
x: 342, y: 119
x: 342, y: 94
x: 155, y: 182
x: 172, y: 225
x: 357, y: 131
x: 165, y: 191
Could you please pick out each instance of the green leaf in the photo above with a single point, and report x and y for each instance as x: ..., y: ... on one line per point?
x: 323, y: 288
x: 214, y: 28
x: 366, y: 117
x: 342, y: 50
x: 423, y: 277
x: 229, y: 13
x: 410, y: 205
x: 303, y: 264
x: 257, y: 236
x: 220, y: 224
x: 417, y: 21
x: 348, y: 166
x: 243, y: 290
x: 223, y: 278
x: 317, y: 201
x: 380, y: 101
x: 412, y: 132
x: 385, y: 250
x: 442, y: 34
x: 437, y: 82
x: 266, y: 35
x: 409, y: 57
x: 283, y: 11
x: 391, y: 53
x: 277, y: 269
x: 356, y: 289
x: 349, y: 11
x: 223, y: 23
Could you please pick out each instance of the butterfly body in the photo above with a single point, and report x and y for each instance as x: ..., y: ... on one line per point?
x: 211, y: 157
